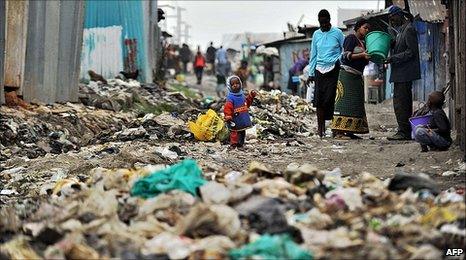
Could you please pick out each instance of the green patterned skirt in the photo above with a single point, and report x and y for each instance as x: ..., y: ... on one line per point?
x: 349, y: 114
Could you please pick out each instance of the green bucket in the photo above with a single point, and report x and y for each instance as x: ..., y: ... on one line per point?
x: 378, y: 45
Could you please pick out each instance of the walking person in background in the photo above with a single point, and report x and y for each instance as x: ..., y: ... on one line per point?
x: 350, y: 115
x: 326, y: 49
x: 186, y: 56
x: 268, y: 71
x: 406, y: 68
x: 243, y: 73
x: 222, y: 69
x: 221, y: 56
x: 222, y: 73
x: 199, y: 64
x: 210, y: 57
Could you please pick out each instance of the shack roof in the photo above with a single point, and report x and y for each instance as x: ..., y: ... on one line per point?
x: 370, y: 15
x: 306, y: 29
x: 300, y: 38
x: 428, y: 10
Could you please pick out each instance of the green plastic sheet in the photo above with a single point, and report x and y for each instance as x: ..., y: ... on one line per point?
x: 186, y: 176
x: 271, y: 247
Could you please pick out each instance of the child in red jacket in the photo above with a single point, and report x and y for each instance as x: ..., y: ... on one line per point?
x: 236, y: 111
x: 199, y: 64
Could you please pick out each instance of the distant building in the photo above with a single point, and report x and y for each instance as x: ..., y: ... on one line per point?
x: 238, y: 41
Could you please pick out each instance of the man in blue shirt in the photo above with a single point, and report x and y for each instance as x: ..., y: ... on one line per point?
x: 221, y: 56
x: 326, y: 49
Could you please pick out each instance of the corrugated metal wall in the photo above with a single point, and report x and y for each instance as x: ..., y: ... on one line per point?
x: 130, y: 16
x: 431, y: 52
x: 102, y: 51
x: 53, y: 48
x: 2, y: 48
x: 71, y: 28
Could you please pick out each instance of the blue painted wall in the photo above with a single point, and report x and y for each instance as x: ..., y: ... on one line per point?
x: 433, y: 66
x: 126, y: 13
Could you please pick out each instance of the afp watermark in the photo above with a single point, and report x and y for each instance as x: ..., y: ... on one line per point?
x: 454, y: 252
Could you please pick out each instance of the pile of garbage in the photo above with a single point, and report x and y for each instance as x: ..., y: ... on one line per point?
x: 54, y: 128
x: 118, y: 95
x: 62, y: 128
x: 279, y: 115
x: 187, y: 210
x: 116, y: 111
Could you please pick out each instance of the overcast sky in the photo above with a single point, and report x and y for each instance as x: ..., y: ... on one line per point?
x: 211, y: 19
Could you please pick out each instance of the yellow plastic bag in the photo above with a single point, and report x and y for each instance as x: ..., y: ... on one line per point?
x: 208, y: 126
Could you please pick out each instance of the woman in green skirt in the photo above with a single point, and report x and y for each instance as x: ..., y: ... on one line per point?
x: 349, y: 116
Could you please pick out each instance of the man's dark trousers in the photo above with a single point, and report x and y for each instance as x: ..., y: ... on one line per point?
x: 403, y: 106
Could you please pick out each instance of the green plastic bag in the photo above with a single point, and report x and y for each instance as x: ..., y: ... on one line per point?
x: 271, y: 247
x: 186, y: 176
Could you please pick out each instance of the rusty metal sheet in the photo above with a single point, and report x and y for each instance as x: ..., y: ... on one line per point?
x: 15, y: 45
x: 429, y: 10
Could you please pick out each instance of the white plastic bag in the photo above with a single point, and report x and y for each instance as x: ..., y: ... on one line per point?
x: 310, y: 92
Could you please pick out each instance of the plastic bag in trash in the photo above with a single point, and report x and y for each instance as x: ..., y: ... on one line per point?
x: 18, y: 248
x: 271, y: 247
x: 310, y: 92
x: 209, y: 126
x: 186, y: 176
x: 205, y: 220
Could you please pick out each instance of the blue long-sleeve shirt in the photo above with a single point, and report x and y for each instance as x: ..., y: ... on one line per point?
x: 326, y: 49
x: 221, y: 56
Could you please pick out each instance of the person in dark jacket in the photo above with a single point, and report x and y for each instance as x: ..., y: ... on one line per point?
x: 186, y: 56
x: 210, y: 56
x: 406, y: 68
x: 436, y: 134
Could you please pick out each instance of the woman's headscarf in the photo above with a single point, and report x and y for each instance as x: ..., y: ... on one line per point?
x: 229, y: 84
